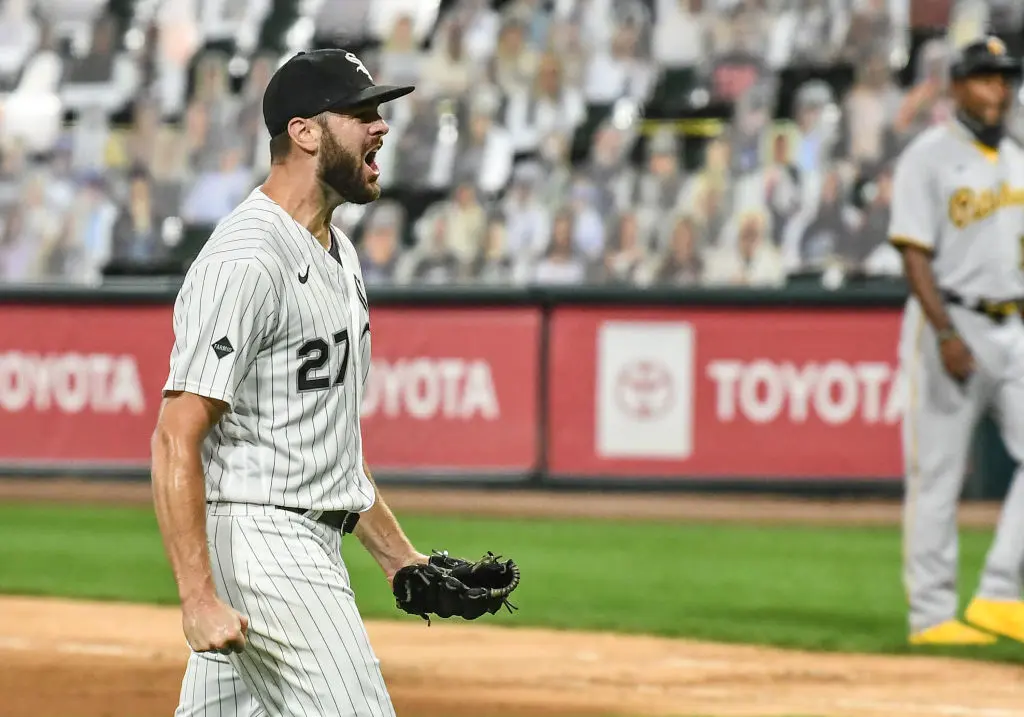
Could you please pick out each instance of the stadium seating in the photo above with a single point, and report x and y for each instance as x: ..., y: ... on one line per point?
x: 628, y: 142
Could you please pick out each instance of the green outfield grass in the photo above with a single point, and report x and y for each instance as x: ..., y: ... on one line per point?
x: 832, y: 589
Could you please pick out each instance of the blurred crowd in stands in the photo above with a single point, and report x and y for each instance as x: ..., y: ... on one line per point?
x: 637, y: 142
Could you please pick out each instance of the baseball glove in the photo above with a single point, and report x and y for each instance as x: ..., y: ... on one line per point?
x: 452, y: 587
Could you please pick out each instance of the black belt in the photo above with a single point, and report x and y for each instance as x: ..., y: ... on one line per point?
x: 343, y: 520
x: 998, y: 311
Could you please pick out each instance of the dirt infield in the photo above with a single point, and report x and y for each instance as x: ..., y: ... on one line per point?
x: 67, y: 659
x: 76, y: 659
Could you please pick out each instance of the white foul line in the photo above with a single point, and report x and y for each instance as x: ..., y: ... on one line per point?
x: 72, y: 648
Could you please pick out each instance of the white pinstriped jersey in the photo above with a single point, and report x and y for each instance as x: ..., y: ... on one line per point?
x: 263, y: 321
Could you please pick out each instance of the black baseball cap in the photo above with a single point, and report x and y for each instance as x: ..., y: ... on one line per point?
x: 987, y: 55
x: 319, y: 81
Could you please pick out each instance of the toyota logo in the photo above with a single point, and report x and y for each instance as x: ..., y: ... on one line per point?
x: 644, y: 390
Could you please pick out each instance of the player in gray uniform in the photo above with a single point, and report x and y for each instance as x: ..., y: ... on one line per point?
x: 258, y: 468
x: 958, y: 217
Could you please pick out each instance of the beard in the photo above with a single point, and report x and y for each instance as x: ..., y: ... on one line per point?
x: 989, y: 135
x: 344, y: 173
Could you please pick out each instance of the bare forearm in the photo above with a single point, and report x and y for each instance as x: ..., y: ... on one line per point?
x: 180, y: 502
x: 379, y: 532
x: 918, y: 269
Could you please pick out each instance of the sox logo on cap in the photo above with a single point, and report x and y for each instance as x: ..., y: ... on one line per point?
x: 360, y: 67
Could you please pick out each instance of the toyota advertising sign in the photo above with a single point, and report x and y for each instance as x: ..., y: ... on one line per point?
x: 746, y: 394
x: 80, y: 385
x: 481, y: 392
x: 451, y: 391
x: 641, y: 408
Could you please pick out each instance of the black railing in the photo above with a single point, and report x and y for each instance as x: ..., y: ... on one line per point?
x: 870, y: 293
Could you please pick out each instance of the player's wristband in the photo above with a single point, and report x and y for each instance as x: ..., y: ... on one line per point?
x: 946, y: 335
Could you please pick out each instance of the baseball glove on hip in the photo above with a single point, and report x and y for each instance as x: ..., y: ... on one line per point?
x: 452, y: 587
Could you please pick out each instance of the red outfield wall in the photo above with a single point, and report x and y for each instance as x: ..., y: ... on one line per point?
x: 581, y: 391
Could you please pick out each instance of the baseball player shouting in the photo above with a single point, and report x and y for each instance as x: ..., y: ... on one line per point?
x: 958, y: 217
x: 258, y: 468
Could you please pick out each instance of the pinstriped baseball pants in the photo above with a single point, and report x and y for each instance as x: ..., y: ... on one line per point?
x: 308, y: 653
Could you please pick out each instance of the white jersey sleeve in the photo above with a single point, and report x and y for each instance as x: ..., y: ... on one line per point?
x: 223, y: 315
x: 916, y: 205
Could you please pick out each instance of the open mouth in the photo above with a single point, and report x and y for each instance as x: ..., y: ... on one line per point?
x: 370, y: 159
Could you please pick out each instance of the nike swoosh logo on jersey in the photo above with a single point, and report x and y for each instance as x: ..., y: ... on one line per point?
x: 304, y: 277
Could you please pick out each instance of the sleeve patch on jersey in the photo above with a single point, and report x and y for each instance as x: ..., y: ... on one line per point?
x: 222, y: 347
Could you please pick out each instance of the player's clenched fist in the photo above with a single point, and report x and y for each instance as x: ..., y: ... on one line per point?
x: 213, y: 626
x: 956, y: 357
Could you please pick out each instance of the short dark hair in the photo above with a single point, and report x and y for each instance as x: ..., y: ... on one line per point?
x: 280, y: 146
